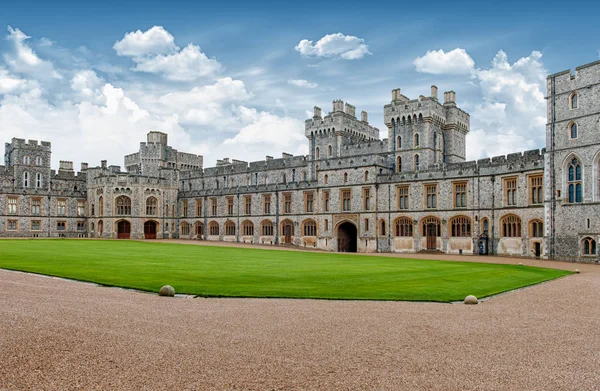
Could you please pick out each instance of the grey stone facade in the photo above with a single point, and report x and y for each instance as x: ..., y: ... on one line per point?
x: 410, y: 192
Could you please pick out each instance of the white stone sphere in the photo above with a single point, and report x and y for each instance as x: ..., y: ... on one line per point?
x: 471, y: 300
x: 167, y: 290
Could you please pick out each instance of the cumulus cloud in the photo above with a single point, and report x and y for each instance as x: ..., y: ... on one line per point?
x: 303, y: 83
x: 337, y: 45
x: 154, y: 51
x: 24, y: 60
x: 155, y: 40
x: 437, y: 62
x: 9, y: 82
x: 512, y: 116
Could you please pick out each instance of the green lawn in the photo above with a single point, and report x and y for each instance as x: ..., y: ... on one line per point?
x: 240, y: 272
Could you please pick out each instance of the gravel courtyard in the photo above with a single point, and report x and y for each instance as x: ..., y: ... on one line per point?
x: 59, y: 334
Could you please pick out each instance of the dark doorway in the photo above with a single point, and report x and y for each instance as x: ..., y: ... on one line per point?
x: 431, y: 234
x: 288, y: 231
x: 123, y: 229
x: 538, y: 249
x: 347, y: 238
x: 199, y: 231
x: 150, y: 230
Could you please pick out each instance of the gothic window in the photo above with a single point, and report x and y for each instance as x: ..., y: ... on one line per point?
x: 345, y: 177
x: 460, y: 226
x: 329, y: 151
x: 287, y: 203
x: 304, y: 176
x: 230, y: 206
x: 588, y: 246
x: 485, y: 225
x: 326, y: 201
x: 510, y: 191
x: 366, y: 176
x: 26, y: 160
x: 402, y: 193
x: 431, y: 196
x: 93, y: 212
x: 38, y: 180
x: 367, y: 198
x: 267, y: 204
x: 229, y: 228
x: 266, y: 228
x: 536, y: 229
x: 61, y: 207
x: 382, y: 228
x: 399, y: 142
x: 325, y: 179
x: 80, y: 208
x: 417, y: 163
x: 309, y: 228
x: 247, y: 228
x: 416, y: 140
x: 431, y: 224
x: 151, y: 206
x: 123, y: 206
x: 573, y: 129
x: 399, y: 164
x: 213, y: 228
x: 574, y: 181
x: 25, y: 179
x: 317, y: 153
x: 536, y: 189
x: 511, y: 226
x: 346, y: 200
x: 460, y: 195
x: 283, y: 178
x: 308, y: 202
x: 185, y: 228
x: 38, y: 160
x: 574, y: 98
x: 101, y: 206
x: 12, y: 205
x: 404, y: 226
x: 248, y: 204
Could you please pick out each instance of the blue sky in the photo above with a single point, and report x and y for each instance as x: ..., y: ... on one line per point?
x: 236, y: 79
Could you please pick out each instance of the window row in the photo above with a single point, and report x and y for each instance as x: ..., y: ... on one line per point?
x: 12, y: 207
x: 27, y: 160
x: 36, y: 225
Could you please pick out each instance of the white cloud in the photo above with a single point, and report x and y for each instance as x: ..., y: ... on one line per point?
x: 86, y: 82
x: 155, y: 40
x: 303, y: 83
x: 154, y: 51
x: 9, y: 82
x: 512, y: 116
x: 454, y: 62
x: 347, y: 47
x: 23, y: 59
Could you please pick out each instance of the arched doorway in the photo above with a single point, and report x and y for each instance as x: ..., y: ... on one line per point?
x: 150, y: 229
x: 287, y: 231
x: 123, y: 229
x: 347, y: 238
x: 431, y: 231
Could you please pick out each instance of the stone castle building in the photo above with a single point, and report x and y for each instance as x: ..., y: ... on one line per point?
x: 410, y: 192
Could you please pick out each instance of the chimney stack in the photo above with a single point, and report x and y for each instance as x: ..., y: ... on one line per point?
x: 364, y: 117
x: 434, y: 92
x: 317, y: 112
x: 450, y: 97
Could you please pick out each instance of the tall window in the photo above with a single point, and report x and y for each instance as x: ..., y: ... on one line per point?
x: 151, y: 206
x: 510, y: 191
x: 317, y: 153
x: 574, y: 101
x: 573, y: 130
x: 346, y: 200
x: 417, y: 163
x: 101, y: 206
x: 399, y: 164
x: 230, y: 206
x: 38, y: 180
x: 267, y: 204
x: 326, y: 198
x: 460, y: 226
x: 123, y: 206
x: 431, y: 196
x: 93, y: 212
x: 536, y: 189
x: 399, y: 142
x: 248, y: 204
x: 12, y: 206
x: 61, y: 207
x: 416, y: 140
x: 213, y: 206
x: 266, y: 228
x: 11, y: 225
x: 184, y: 208
x: 382, y: 229
x: 485, y: 225
x: 247, y: 228
x: 213, y: 228
x: 367, y: 198
x: 229, y: 228
x: 345, y: 177
x: 61, y: 225
x: 25, y: 179
x: 574, y: 181
x: 402, y: 192
x: 326, y: 179
x: 198, y: 208
x: 511, y: 226
x: 329, y: 151
x: 80, y: 208
x: 309, y: 228
x: 404, y: 226
x: 287, y: 203
x: 588, y: 246
x: 36, y: 206
x: 460, y: 195
x: 308, y: 202
x: 185, y: 228
x: 536, y: 229
x: 26, y: 160
x: 366, y: 176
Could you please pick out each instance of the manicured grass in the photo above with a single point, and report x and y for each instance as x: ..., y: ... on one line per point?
x: 241, y: 272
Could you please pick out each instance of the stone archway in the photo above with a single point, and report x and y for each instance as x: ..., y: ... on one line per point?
x: 287, y: 231
x: 123, y: 229
x: 347, y: 237
x: 150, y: 229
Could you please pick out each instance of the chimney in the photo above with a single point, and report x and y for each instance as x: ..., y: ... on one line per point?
x: 434, y: 92
x: 103, y: 163
x: 65, y: 166
x: 338, y: 105
x: 84, y: 166
x: 395, y: 94
x: 450, y: 97
x: 317, y: 112
x: 350, y: 110
x: 363, y: 117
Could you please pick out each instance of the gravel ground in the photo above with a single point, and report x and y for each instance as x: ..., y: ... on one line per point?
x: 60, y: 334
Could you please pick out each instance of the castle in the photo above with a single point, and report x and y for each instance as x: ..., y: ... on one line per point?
x: 411, y: 192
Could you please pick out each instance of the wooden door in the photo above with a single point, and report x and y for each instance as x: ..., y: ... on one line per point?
x: 431, y: 231
x: 124, y: 230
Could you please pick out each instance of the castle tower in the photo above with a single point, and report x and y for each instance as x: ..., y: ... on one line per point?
x: 30, y: 161
x: 572, y: 163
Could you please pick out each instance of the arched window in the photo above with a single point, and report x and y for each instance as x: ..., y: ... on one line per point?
x: 399, y: 164
x: 26, y: 160
x: 38, y: 160
x: 100, y: 227
x: 283, y: 178
x: 317, y: 152
x: 536, y: 229
x: 304, y: 177
x: 151, y: 206
x: 38, y: 180
x: 266, y: 228
x: 404, y: 226
x: 93, y: 211
x: 213, y: 228
x: 485, y: 225
x: 248, y: 228
x: 574, y: 100
x: 416, y: 140
x: 366, y: 176
x: 588, y: 246
x: 185, y: 228
x: 229, y: 228
x: 309, y: 228
x: 382, y: 227
x: 431, y: 226
x: 511, y: 226
x: 573, y: 128
x: 173, y: 210
x: 574, y: 181
x: 123, y: 204
x: 417, y: 163
x: 329, y: 151
x: 326, y: 179
x: 101, y: 206
x: 399, y: 142
x: 460, y: 226
x: 345, y: 177
x: 25, y: 179
x: 199, y: 229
